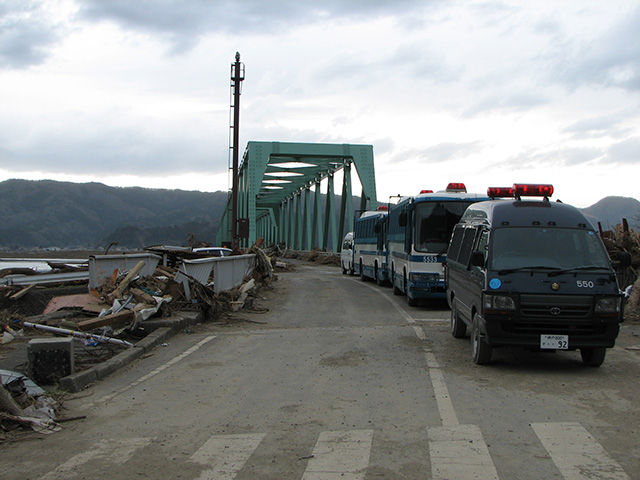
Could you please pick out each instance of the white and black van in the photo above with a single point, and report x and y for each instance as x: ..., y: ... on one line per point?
x: 531, y: 273
x: 346, y: 254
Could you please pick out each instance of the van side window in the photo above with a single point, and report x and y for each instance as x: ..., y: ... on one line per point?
x: 467, y: 246
x: 456, y: 241
x: 483, y: 243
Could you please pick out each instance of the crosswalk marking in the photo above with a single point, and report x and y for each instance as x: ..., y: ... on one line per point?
x: 459, y: 452
x: 226, y: 454
x: 456, y: 452
x: 576, y: 453
x: 117, y: 451
x: 340, y: 455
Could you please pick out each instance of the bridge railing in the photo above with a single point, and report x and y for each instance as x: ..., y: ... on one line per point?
x: 228, y: 272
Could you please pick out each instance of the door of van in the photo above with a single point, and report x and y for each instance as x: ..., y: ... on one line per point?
x: 466, y: 289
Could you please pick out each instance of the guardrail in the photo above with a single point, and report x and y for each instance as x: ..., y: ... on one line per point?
x: 102, y: 266
x: 228, y: 272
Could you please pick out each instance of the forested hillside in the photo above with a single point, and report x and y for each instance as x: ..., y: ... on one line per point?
x: 46, y: 213
x: 67, y: 215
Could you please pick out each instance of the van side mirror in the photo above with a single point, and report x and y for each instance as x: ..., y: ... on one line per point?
x: 477, y: 259
x: 625, y: 259
x: 402, y: 219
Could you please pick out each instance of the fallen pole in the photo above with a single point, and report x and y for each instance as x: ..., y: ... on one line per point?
x: 75, y: 333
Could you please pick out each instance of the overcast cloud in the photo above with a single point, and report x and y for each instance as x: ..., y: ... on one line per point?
x: 484, y: 92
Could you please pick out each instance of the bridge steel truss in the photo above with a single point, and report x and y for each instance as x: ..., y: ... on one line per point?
x: 275, y: 193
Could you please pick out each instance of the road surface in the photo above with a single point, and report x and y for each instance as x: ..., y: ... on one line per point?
x: 340, y: 379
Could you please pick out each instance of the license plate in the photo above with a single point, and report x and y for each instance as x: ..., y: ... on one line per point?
x: 556, y: 342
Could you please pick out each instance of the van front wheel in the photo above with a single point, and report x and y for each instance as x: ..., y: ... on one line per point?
x: 480, y: 350
x: 593, y: 357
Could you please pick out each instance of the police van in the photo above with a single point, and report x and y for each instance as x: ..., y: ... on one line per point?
x: 532, y: 273
x: 346, y: 254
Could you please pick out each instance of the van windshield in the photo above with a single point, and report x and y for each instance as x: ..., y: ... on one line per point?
x: 434, y: 224
x: 546, y: 248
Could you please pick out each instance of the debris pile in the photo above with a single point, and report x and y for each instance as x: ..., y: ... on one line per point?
x: 25, y: 404
x: 314, y: 256
x: 620, y: 241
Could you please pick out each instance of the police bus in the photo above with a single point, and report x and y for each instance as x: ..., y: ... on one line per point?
x: 419, y: 229
x: 370, y: 245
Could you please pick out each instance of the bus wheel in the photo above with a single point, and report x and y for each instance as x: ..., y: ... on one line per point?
x: 396, y: 290
x: 480, y: 350
x: 458, y: 328
x: 362, y: 275
x: 593, y: 357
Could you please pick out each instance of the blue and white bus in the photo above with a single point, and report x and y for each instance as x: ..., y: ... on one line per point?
x: 370, y: 245
x: 419, y: 232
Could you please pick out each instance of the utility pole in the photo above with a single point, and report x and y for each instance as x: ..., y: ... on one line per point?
x: 237, y: 76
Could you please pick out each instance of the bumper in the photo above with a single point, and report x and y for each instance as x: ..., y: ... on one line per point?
x: 594, y: 332
x: 427, y: 290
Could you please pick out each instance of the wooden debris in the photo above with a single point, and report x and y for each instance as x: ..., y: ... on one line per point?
x: 141, y: 296
x: 115, y: 319
x: 68, y: 301
x: 7, y: 403
x: 22, y: 292
x: 117, y: 293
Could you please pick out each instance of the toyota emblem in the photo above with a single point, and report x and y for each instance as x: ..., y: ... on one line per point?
x: 555, y: 310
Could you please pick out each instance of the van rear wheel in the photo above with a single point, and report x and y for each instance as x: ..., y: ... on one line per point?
x: 480, y: 350
x: 458, y: 327
x: 593, y: 357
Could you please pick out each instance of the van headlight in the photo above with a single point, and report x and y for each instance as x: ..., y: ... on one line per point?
x: 499, y: 302
x: 424, y: 277
x: 608, y: 305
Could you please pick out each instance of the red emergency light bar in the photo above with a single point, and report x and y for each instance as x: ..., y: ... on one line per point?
x: 521, y: 190
x: 426, y: 191
x: 457, y: 187
x: 524, y: 190
x: 383, y: 208
x: 498, y: 192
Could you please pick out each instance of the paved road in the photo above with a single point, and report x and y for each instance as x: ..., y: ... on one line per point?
x: 342, y: 380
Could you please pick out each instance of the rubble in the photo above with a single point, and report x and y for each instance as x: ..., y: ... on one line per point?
x: 104, y: 318
x: 623, y: 240
x: 22, y: 402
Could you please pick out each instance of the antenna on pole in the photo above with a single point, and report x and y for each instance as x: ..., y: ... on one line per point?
x: 237, y: 76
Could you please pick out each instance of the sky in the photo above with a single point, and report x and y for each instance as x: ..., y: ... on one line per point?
x: 487, y: 92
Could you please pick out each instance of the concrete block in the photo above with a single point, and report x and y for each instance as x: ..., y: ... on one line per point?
x: 78, y: 381
x: 50, y: 359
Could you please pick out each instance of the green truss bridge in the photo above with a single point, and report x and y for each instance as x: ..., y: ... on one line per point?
x: 281, y: 199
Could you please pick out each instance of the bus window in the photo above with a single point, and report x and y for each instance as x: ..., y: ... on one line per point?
x: 434, y: 224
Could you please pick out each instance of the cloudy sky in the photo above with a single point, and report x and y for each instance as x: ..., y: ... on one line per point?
x: 487, y: 92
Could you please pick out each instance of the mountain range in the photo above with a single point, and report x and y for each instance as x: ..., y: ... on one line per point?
x: 47, y: 213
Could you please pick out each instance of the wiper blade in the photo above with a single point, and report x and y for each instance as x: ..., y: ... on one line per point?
x: 524, y: 269
x: 578, y: 269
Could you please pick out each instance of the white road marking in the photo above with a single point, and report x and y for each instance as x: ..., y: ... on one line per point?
x: 443, y: 399
x: 576, y: 453
x: 459, y: 452
x: 151, y: 374
x: 340, y: 455
x: 116, y: 451
x: 226, y: 454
